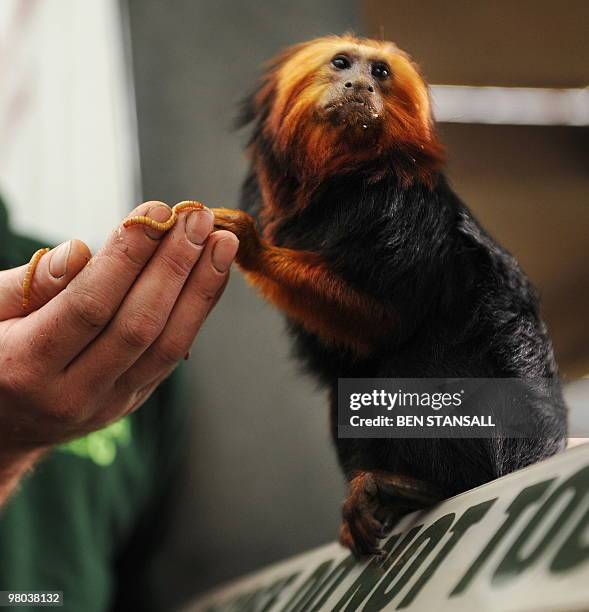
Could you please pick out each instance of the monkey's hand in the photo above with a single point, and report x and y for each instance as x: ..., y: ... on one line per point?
x: 376, y: 501
x: 243, y: 226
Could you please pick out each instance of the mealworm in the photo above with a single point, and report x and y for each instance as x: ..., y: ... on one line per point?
x: 26, y: 284
x: 138, y: 220
x: 164, y: 226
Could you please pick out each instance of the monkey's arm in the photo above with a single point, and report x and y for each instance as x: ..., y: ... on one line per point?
x: 303, y: 286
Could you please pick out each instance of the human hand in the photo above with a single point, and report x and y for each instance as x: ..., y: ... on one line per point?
x: 102, y: 336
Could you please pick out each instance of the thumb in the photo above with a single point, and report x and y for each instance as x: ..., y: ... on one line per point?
x: 53, y: 273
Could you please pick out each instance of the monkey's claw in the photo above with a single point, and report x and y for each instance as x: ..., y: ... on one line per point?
x: 375, y: 503
x: 236, y: 221
x: 244, y: 227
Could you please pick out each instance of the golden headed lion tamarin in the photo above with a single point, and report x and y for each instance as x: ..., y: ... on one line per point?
x: 382, y: 271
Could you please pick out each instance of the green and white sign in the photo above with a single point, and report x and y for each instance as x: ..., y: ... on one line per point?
x: 520, y: 543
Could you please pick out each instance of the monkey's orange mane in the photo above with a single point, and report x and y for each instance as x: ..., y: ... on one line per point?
x: 286, y: 108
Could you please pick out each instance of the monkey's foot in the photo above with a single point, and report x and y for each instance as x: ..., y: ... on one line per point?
x: 376, y: 501
x: 237, y: 221
x: 243, y: 226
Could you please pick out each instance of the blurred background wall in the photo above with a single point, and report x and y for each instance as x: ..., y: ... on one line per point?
x: 68, y: 145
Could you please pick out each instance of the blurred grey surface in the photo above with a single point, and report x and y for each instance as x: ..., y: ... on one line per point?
x: 262, y: 481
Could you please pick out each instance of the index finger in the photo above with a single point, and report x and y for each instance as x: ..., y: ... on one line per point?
x: 54, y: 272
x: 68, y: 323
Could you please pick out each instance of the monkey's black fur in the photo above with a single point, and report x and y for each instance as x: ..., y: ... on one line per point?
x: 465, y: 309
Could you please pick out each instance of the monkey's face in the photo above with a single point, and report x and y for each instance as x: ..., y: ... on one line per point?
x: 353, y: 100
x: 334, y: 102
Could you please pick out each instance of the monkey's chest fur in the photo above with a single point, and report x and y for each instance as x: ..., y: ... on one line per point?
x: 463, y: 306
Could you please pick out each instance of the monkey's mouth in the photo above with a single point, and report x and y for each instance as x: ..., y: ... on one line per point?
x: 354, y: 112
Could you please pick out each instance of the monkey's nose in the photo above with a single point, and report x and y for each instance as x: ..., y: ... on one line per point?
x: 359, y: 85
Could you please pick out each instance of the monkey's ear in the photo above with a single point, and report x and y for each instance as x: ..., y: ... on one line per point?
x: 257, y: 105
x: 246, y: 112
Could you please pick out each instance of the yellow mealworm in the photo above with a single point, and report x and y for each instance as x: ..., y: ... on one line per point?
x: 188, y: 205
x: 164, y: 226
x: 26, y: 284
x: 138, y: 220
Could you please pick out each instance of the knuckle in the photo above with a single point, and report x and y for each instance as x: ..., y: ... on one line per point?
x: 128, y: 254
x: 176, y: 266
x: 139, y: 330
x: 170, y: 350
x: 206, y: 292
x: 89, y: 309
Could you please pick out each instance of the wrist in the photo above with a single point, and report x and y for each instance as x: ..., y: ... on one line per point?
x: 250, y: 252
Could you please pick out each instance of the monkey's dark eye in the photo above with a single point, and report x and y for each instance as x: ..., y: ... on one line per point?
x: 380, y: 70
x: 341, y: 62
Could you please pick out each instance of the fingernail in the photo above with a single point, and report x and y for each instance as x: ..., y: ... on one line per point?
x: 158, y: 212
x: 59, y: 259
x: 199, y: 224
x: 224, y: 253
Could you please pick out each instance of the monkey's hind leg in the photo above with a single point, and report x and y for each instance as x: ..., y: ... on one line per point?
x: 376, y: 501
